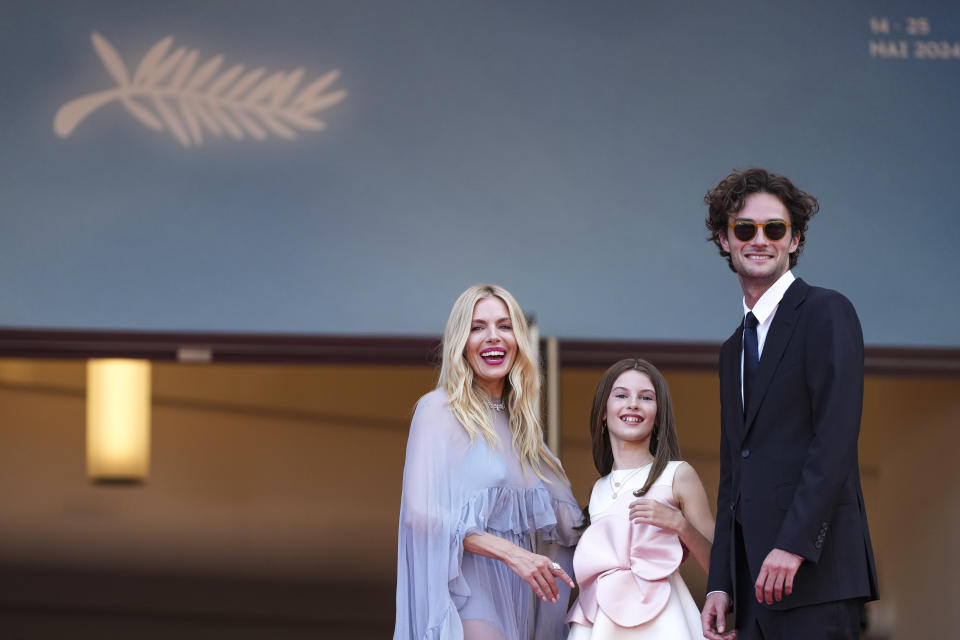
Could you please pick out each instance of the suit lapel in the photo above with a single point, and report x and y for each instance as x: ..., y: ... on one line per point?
x: 784, y: 322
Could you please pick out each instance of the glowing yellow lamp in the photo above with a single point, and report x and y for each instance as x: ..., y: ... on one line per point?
x: 118, y: 420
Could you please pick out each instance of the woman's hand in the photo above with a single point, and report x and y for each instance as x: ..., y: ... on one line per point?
x: 656, y: 513
x: 540, y: 572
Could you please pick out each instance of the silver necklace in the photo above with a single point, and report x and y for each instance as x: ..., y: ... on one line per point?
x: 496, y: 405
x: 615, y: 486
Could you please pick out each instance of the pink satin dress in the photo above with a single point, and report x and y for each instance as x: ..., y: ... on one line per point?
x: 629, y: 585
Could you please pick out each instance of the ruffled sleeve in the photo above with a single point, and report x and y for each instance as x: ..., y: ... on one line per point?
x: 510, y: 511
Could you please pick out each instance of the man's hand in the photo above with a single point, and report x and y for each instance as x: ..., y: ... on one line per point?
x: 776, y: 575
x: 714, y: 617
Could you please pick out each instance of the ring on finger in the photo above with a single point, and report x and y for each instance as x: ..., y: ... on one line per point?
x: 556, y: 566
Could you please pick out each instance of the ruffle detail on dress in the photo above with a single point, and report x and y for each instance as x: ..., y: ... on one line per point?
x: 511, y: 511
x: 517, y: 511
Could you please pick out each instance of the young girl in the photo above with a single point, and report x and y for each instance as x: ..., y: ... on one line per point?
x: 646, y: 511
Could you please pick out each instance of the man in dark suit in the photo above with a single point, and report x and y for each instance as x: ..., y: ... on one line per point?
x: 791, y: 552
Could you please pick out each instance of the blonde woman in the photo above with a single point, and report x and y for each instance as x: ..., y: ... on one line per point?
x: 487, y: 516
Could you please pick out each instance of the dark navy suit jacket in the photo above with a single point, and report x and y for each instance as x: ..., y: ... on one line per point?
x: 789, y: 470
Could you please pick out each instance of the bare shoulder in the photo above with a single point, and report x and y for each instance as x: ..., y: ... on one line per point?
x: 686, y: 482
x: 685, y: 472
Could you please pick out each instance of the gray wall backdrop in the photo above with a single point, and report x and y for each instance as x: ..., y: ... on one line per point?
x: 561, y: 149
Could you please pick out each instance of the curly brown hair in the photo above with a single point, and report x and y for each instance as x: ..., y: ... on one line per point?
x: 728, y: 197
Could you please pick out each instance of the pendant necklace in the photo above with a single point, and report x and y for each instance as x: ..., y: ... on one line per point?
x: 615, y: 486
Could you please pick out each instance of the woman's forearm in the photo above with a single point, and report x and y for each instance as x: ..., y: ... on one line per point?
x: 490, y: 546
x: 540, y: 572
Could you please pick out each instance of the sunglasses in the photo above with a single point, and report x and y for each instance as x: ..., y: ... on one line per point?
x: 745, y: 230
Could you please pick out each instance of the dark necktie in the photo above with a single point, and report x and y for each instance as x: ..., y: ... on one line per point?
x: 751, y: 357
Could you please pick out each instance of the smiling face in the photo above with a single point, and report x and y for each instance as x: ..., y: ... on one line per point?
x: 759, y: 262
x: 631, y: 411
x: 491, y: 346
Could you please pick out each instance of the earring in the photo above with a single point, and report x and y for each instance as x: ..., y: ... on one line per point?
x: 603, y: 425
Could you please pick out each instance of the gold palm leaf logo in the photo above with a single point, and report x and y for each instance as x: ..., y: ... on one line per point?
x: 169, y: 92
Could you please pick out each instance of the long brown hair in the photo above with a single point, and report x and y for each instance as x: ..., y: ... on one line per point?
x: 664, y: 444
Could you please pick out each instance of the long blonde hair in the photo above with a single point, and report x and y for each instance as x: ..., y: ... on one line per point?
x: 521, y: 391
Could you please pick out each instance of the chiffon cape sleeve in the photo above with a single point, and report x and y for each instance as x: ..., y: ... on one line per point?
x: 453, y: 488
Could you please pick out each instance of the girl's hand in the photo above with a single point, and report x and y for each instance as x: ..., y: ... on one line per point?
x: 650, y: 511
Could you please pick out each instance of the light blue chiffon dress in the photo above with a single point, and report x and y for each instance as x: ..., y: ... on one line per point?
x: 452, y: 488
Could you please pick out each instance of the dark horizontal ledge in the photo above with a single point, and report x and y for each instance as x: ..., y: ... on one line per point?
x: 704, y: 356
x: 194, y: 347
x: 673, y: 355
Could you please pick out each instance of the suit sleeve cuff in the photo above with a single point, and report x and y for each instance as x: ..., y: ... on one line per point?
x: 719, y: 591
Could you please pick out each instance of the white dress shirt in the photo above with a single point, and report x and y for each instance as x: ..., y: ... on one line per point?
x: 764, y: 311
